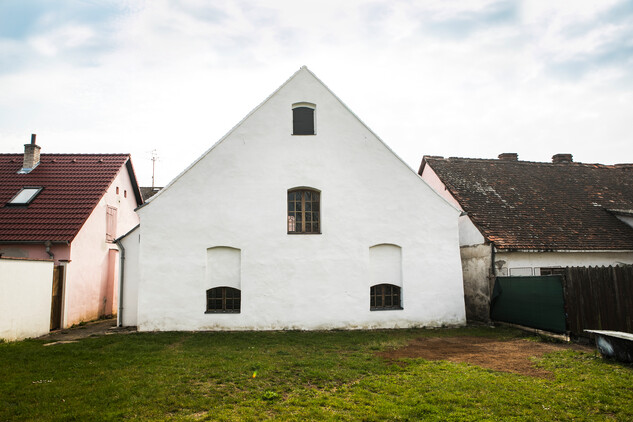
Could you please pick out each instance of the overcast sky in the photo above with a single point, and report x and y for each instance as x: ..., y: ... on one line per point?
x: 459, y: 78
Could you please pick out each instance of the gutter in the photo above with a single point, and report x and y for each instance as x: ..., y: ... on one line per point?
x: 491, y: 281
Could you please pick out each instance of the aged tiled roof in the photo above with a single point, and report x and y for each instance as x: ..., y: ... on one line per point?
x: 72, y: 186
x: 542, y: 206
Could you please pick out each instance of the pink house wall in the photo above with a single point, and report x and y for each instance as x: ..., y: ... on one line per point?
x: 91, y: 276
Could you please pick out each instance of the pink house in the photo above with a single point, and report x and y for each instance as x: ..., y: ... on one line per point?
x: 69, y: 208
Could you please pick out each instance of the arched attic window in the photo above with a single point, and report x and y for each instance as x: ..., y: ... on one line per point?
x: 304, y: 211
x: 303, y: 118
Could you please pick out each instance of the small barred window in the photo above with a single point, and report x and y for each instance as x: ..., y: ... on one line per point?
x: 224, y: 299
x: 384, y: 297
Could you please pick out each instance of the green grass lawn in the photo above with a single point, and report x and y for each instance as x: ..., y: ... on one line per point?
x: 333, y: 375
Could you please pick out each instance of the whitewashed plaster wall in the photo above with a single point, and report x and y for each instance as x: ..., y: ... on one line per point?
x: 469, y: 235
x: 87, y: 274
x: 25, y: 298
x: 236, y: 196
x: 129, y: 276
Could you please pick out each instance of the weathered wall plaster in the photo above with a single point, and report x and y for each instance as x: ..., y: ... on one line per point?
x: 476, y: 270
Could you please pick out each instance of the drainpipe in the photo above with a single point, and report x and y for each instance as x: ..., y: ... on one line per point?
x: 121, y: 278
x: 492, y: 278
x: 47, y: 244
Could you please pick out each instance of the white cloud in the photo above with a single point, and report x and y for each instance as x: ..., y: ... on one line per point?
x: 176, y: 76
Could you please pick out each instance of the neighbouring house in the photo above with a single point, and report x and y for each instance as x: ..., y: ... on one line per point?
x: 69, y: 208
x: 149, y: 191
x: 299, y: 218
x: 525, y: 218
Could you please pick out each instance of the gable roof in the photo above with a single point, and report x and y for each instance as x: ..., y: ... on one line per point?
x: 541, y: 206
x: 72, y: 186
x: 302, y: 69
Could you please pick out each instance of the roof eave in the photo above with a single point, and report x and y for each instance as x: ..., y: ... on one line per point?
x: 542, y: 250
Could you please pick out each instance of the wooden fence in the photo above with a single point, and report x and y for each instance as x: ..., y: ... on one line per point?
x: 599, y: 298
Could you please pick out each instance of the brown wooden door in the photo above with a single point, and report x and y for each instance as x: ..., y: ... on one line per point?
x: 56, y: 302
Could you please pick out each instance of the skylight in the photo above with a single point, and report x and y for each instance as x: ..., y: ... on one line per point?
x: 25, y: 196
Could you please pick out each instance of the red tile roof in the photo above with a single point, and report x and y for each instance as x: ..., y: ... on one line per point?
x: 542, y: 206
x: 72, y: 185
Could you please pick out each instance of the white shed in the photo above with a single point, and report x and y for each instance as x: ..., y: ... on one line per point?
x: 299, y: 218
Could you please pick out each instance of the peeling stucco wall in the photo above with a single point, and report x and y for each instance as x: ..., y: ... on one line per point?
x: 476, y: 269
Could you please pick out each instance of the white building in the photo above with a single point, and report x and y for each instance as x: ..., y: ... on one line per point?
x: 299, y: 218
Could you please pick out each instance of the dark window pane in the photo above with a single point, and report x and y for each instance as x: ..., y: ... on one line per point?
x: 223, y: 299
x: 387, y: 297
x: 303, y: 213
x: 303, y: 121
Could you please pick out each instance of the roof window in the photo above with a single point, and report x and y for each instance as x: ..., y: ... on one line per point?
x: 25, y: 196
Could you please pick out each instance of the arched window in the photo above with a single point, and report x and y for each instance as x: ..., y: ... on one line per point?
x: 303, y: 119
x: 224, y: 299
x: 384, y: 297
x: 304, y: 211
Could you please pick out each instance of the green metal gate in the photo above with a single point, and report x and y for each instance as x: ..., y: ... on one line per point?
x: 536, y: 302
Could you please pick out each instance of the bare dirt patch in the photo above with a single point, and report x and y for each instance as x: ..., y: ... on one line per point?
x: 499, y: 355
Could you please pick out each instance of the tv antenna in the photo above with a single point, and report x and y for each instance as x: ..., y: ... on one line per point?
x: 154, y: 158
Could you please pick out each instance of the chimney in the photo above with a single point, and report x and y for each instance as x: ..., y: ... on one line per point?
x: 509, y: 156
x: 31, y: 156
x: 562, y: 158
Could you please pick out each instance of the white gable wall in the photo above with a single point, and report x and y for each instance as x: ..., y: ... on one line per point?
x: 236, y: 196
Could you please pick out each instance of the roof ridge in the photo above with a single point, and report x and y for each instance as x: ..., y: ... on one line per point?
x: 528, y: 162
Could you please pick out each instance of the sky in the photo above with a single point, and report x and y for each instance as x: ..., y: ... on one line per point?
x: 462, y: 78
